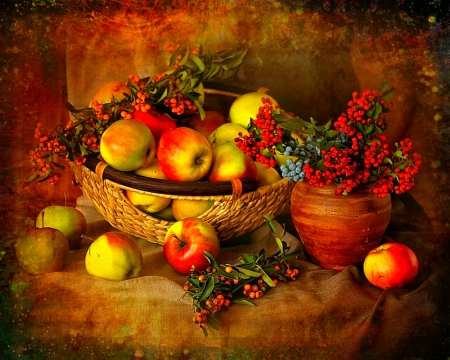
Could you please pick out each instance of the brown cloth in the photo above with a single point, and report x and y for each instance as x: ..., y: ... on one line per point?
x: 323, y: 314
x: 311, y: 61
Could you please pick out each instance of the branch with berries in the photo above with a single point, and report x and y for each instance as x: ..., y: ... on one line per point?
x: 177, y: 92
x: 218, y: 287
x: 350, y: 152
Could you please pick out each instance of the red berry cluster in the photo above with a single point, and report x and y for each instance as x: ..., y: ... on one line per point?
x: 264, y: 134
x: 364, y: 156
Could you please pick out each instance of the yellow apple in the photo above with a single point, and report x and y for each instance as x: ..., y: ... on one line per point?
x: 114, y: 256
x: 40, y: 251
x: 231, y: 163
x: 145, y: 202
x: 226, y: 133
x: 246, y: 107
x: 266, y: 176
x: 107, y: 91
x: 70, y: 221
x: 128, y: 145
x: 183, y: 208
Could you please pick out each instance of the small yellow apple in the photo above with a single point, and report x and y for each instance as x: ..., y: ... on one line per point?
x: 184, y: 208
x: 246, y: 107
x: 266, y: 176
x: 107, y: 91
x: 226, y: 133
x: 114, y: 256
x: 69, y: 220
x: 145, y: 202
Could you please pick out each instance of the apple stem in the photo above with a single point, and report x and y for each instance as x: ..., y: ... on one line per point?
x: 87, y: 237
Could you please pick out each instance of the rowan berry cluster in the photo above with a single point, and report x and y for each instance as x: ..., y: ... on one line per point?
x: 220, y: 285
x: 264, y: 135
x: 351, y: 151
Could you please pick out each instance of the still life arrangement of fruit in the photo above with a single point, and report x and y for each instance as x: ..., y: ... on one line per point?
x: 161, y: 128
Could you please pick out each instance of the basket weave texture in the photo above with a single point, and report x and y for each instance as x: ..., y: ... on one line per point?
x: 231, y: 215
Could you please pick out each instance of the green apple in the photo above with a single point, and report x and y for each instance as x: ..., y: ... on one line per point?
x: 69, y: 220
x: 128, y: 145
x: 226, y: 133
x: 40, y: 251
x: 266, y: 176
x: 184, y: 208
x: 231, y: 163
x: 146, y: 202
x: 246, y: 107
x: 165, y: 214
x: 114, y: 256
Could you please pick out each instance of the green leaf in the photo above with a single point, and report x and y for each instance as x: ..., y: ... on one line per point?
x: 207, y: 290
x: 266, y: 277
x: 59, y: 166
x: 388, y: 94
x: 270, y: 223
x: 378, y: 111
x: 243, y: 301
x: 280, y: 244
x: 384, y: 86
x: 33, y: 176
x: 247, y: 271
x: 248, y: 258
x: 198, y: 62
x: 211, y: 260
x: 185, y: 58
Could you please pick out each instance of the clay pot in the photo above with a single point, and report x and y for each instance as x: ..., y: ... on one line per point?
x: 338, y: 231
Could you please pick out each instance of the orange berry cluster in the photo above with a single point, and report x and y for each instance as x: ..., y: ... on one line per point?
x: 178, y: 104
x: 230, y: 285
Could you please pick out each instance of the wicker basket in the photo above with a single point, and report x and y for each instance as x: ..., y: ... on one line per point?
x: 238, y: 206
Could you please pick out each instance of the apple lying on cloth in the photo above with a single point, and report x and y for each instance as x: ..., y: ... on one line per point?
x: 184, y: 154
x: 185, y: 242
x: 128, y: 145
x: 157, y: 122
x: 391, y: 265
x: 114, y: 256
x: 40, y: 251
x: 230, y: 163
x: 212, y: 120
x: 246, y: 107
x: 69, y: 220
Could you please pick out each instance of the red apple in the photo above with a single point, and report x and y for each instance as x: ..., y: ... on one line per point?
x: 185, y: 242
x: 391, y: 265
x: 157, y: 122
x: 231, y: 163
x: 128, y: 145
x: 184, y: 154
x: 213, y: 119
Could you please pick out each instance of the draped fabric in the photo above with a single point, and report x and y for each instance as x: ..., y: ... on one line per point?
x: 311, y: 61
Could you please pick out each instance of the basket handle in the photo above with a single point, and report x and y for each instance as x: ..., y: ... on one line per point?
x: 168, y: 187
